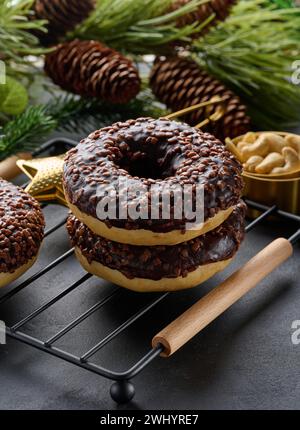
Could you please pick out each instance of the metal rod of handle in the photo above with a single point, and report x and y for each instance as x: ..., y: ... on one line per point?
x: 192, y: 321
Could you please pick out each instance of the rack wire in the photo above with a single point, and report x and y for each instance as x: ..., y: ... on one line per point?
x: 122, y: 389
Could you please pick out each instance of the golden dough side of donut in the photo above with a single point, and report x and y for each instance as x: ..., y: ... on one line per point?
x: 7, y: 278
x: 194, y: 278
x: 147, y: 237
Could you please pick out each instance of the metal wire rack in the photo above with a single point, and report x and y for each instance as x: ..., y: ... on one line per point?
x: 122, y: 389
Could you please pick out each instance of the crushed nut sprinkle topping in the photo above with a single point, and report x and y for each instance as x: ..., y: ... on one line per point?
x: 156, y: 262
x: 153, y: 151
x: 21, y: 227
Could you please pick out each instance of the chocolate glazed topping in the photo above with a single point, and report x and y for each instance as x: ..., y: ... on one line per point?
x: 21, y: 227
x: 152, y: 151
x: 156, y: 262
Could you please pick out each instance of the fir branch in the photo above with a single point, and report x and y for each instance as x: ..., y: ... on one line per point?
x: 253, y: 52
x: 283, y: 3
x: 23, y: 133
x: 16, y: 38
x: 137, y: 26
x: 28, y: 130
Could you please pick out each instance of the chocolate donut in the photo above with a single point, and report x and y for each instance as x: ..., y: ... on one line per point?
x: 21, y: 231
x: 151, y: 151
x: 159, y: 268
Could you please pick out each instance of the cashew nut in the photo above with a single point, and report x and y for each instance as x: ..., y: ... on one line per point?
x: 292, y: 161
x: 276, y: 142
x: 252, y: 162
x: 250, y: 137
x: 260, y: 147
x: 293, y: 141
x: 274, y: 159
x: 265, y: 144
x: 241, y: 144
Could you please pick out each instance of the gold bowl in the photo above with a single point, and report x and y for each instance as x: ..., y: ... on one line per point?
x: 280, y: 190
x: 284, y: 193
x: 231, y: 144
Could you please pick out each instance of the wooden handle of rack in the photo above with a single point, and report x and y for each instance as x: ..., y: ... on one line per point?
x: 191, y: 322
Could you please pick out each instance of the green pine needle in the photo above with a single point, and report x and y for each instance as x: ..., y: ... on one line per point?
x: 253, y: 52
x: 283, y: 3
x: 28, y: 130
x: 17, y: 41
x: 23, y: 133
x: 137, y: 26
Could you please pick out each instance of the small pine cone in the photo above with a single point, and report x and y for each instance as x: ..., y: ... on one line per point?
x: 62, y: 16
x: 91, y: 69
x: 180, y: 83
x: 220, y: 8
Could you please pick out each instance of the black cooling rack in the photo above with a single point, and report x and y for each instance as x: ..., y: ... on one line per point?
x: 122, y: 389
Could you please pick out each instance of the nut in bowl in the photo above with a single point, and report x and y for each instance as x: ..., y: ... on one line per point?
x: 271, y: 162
x: 268, y: 154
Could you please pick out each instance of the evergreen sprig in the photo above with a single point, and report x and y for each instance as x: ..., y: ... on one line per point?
x: 23, y: 133
x: 28, y: 130
x: 253, y: 52
x: 137, y: 26
x: 283, y: 3
x: 16, y: 38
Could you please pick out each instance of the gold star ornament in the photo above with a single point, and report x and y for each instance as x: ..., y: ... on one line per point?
x: 46, y: 178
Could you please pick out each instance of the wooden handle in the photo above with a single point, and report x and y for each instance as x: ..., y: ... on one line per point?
x: 180, y: 331
x: 8, y: 167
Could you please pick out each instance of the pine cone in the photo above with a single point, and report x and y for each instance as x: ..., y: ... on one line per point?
x: 219, y: 8
x: 62, y: 16
x: 180, y: 83
x: 92, y: 69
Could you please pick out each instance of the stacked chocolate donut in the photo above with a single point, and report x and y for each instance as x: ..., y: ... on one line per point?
x: 153, y: 253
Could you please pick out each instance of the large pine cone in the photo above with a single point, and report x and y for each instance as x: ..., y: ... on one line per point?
x: 62, y: 16
x: 180, y: 83
x: 92, y: 69
x: 220, y: 8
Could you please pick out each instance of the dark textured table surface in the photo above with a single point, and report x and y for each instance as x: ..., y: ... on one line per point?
x: 245, y: 359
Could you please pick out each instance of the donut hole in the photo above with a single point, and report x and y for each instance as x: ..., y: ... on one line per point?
x: 156, y: 164
x: 145, y: 168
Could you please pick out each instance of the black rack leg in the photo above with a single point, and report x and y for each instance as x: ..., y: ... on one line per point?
x: 122, y: 391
